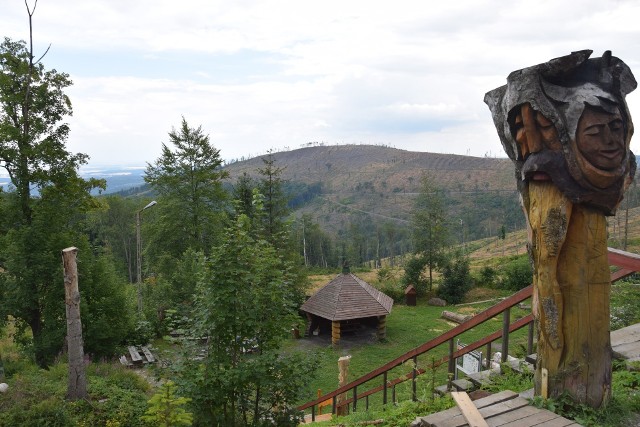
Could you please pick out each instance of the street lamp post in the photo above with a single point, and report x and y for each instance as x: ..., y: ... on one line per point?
x: 139, y: 255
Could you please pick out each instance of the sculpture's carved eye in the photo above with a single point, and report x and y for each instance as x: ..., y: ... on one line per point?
x: 616, y: 125
x: 594, y: 130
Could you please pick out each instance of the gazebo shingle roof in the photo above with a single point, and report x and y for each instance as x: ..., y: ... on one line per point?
x: 348, y: 297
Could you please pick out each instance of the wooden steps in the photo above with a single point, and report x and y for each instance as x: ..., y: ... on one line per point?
x: 506, y: 409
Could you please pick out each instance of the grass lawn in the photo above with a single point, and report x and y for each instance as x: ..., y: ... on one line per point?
x: 407, y: 328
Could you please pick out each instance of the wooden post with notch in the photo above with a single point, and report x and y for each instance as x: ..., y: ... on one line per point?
x: 77, y: 387
x: 343, y: 367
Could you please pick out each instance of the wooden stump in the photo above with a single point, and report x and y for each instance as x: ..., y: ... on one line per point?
x: 571, y: 296
x: 77, y: 386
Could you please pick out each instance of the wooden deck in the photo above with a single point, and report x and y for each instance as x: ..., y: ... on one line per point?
x: 625, y: 343
x: 505, y: 409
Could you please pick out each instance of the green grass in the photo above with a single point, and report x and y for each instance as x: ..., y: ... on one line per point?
x: 407, y: 328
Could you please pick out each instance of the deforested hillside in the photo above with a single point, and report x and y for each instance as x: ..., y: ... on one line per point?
x: 353, y: 191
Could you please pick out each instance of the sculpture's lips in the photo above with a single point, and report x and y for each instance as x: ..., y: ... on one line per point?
x: 612, y: 154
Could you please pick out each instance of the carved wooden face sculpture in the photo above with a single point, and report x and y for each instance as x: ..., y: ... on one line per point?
x: 567, y: 121
x: 600, y: 138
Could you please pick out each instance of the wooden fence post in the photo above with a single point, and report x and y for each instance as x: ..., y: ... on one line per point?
x: 77, y: 387
x: 343, y: 366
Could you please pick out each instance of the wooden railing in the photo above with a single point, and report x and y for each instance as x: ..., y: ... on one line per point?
x: 628, y: 263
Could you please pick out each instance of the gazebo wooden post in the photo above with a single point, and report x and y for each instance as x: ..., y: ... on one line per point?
x: 335, y: 333
x: 382, y: 327
x: 309, y: 332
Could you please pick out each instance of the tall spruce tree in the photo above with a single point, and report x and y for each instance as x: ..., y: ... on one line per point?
x: 275, y: 202
x: 188, y: 180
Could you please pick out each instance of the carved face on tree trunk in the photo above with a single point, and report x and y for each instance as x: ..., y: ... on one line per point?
x: 567, y: 121
x: 600, y: 138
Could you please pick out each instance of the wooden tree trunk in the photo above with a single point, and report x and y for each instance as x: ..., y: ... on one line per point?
x: 77, y: 388
x: 568, y: 245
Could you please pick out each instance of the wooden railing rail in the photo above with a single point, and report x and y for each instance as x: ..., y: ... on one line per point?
x: 489, y: 313
x: 629, y: 263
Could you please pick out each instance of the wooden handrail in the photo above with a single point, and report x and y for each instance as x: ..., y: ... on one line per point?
x: 489, y: 313
x: 628, y: 262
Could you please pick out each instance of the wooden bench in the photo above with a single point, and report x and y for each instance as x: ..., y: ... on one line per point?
x: 136, y: 359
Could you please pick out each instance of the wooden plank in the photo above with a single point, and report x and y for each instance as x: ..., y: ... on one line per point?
x: 558, y: 422
x: 135, y: 355
x: 502, y: 419
x: 503, y: 407
x: 538, y: 418
x: 468, y: 409
x: 544, y: 383
x: 147, y: 353
x: 436, y: 418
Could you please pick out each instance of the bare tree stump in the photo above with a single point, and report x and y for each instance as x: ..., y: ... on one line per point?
x: 77, y: 388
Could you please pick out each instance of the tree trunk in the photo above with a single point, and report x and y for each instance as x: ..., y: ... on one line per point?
x: 571, y: 281
x: 77, y: 388
x: 35, y: 323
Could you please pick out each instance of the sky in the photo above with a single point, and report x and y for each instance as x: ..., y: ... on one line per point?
x: 280, y: 74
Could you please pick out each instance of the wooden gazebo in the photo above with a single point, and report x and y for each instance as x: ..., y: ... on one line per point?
x: 345, y: 302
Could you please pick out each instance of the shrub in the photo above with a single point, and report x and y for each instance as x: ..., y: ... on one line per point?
x: 167, y: 409
x: 413, y: 274
x: 456, y: 280
x: 37, y: 398
x: 487, y: 276
x: 516, y: 274
x: 394, y: 290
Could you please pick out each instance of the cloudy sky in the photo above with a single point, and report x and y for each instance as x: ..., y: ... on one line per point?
x: 269, y: 74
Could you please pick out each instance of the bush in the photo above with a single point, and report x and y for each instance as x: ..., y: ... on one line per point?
x: 487, y: 277
x: 413, y: 274
x: 37, y: 398
x: 516, y: 274
x: 394, y: 290
x: 456, y: 280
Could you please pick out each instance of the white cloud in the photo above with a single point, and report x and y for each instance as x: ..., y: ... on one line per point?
x: 406, y: 73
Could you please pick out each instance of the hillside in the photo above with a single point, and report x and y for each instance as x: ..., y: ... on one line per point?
x: 380, y: 183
